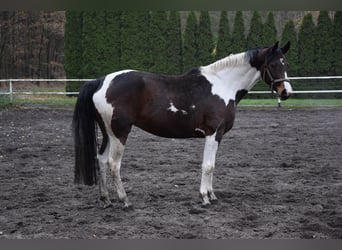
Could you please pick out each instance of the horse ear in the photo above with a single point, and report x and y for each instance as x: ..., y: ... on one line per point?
x: 286, y: 47
x: 275, y: 47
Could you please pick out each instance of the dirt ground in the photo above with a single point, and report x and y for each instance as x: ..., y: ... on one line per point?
x: 278, y: 175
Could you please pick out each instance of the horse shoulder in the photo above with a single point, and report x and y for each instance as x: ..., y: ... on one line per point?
x: 229, y: 116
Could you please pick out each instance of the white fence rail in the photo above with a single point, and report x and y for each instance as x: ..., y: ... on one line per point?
x: 308, y: 91
x: 11, y: 88
x: 12, y: 92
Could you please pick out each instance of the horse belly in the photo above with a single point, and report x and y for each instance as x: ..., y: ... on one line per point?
x: 169, y: 125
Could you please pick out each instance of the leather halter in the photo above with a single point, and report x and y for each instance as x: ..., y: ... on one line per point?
x: 273, y: 81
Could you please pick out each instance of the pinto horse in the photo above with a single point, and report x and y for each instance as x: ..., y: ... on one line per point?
x: 199, y: 103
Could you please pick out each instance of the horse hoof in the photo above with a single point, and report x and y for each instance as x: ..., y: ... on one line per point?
x: 127, y: 208
x: 212, y: 197
x: 214, y: 202
x: 205, y: 204
x: 108, y: 205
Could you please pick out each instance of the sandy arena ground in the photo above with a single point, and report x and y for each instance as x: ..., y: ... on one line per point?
x: 278, y: 175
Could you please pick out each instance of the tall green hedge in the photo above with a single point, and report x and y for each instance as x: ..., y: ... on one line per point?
x: 135, y: 47
x: 190, y: 42
x: 324, y: 46
x: 337, y: 51
x: 223, y: 40
x: 289, y: 35
x: 205, y: 40
x: 255, y: 35
x: 269, y: 30
x: 101, y: 42
x: 174, y: 44
x: 158, y: 35
x: 93, y: 42
x: 73, y: 49
x: 306, y: 47
x: 111, y: 51
x: 238, y: 39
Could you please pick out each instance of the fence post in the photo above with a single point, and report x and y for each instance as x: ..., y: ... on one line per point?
x: 11, y: 90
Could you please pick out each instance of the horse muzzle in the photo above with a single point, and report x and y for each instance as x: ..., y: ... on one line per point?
x: 284, y: 95
x: 284, y: 91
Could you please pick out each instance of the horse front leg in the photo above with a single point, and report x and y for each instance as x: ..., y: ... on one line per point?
x: 208, y: 166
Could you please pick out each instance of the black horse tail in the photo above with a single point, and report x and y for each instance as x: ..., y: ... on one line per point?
x: 84, y: 132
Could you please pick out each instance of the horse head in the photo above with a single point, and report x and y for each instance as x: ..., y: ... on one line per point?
x: 272, y: 63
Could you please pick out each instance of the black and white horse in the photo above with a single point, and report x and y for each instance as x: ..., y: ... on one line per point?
x: 199, y: 103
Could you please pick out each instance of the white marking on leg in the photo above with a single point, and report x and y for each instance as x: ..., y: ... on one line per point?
x: 114, y: 151
x: 208, y: 165
x: 103, y: 160
x: 115, y: 156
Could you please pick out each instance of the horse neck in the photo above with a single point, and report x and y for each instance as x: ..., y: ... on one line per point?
x: 234, y: 72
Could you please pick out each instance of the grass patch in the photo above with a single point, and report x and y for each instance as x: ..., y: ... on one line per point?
x: 62, y: 101
x: 4, y: 101
x: 292, y: 102
x: 53, y: 101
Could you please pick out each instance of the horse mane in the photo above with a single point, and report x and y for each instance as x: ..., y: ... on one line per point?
x: 232, y: 60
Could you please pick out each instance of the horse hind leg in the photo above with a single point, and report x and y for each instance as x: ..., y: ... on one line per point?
x: 115, y: 156
x: 103, y: 159
x: 103, y: 163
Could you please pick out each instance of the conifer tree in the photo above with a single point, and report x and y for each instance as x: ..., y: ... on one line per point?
x: 73, y: 48
x: 112, y: 53
x: 72, y: 45
x: 255, y: 35
x: 269, y: 30
x: 306, y: 47
x: 158, y: 36
x: 324, y: 44
x: 223, y: 40
x: 190, y: 49
x: 135, y: 44
x: 92, y: 45
x: 238, y: 39
x: 174, y: 44
x: 205, y: 40
x: 101, y: 43
x: 289, y: 34
x: 337, y: 55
